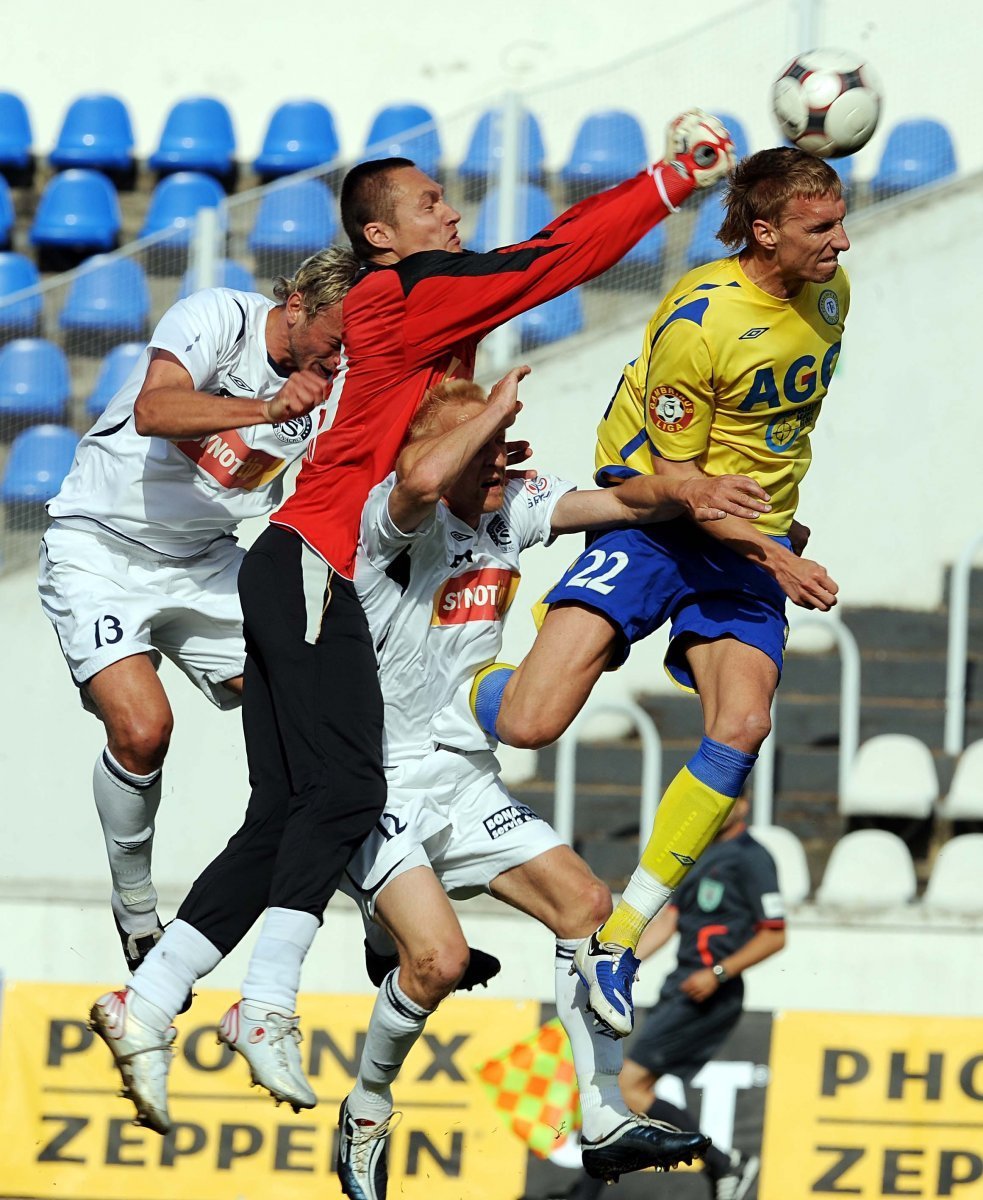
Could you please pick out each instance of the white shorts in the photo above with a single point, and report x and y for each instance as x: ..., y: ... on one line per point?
x: 451, y: 812
x: 109, y: 599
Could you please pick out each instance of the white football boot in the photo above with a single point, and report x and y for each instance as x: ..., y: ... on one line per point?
x: 142, y: 1055
x: 270, y: 1044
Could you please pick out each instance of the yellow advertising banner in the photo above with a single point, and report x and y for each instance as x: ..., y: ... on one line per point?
x: 66, y: 1132
x: 872, y: 1107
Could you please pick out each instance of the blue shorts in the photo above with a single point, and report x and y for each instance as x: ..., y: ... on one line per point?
x: 642, y: 577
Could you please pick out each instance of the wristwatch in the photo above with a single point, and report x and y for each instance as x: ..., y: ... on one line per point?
x: 720, y: 971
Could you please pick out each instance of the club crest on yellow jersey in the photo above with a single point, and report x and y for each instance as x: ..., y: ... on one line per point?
x: 670, y: 411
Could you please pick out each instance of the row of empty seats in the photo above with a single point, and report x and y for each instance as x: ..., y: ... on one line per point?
x: 198, y: 135
x: 871, y: 870
x: 894, y: 775
x: 79, y: 209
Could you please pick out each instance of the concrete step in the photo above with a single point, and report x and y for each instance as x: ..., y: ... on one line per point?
x: 883, y: 673
x: 909, y: 631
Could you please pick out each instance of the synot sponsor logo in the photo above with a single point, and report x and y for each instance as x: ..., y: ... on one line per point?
x: 230, y: 461
x: 481, y: 595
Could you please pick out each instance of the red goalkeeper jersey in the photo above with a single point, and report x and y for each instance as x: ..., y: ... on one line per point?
x: 410, y: 325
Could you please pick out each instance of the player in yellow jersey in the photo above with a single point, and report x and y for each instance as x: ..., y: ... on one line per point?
x: 733, y: 371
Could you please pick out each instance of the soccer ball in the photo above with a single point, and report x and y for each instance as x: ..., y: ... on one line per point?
x: 827, y: 102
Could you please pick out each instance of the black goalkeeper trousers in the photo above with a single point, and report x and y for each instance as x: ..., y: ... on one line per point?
x: 312, y: 718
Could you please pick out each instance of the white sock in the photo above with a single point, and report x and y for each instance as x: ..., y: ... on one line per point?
x: 394, y: 1027
x: 127, y: 805
x: 273, y: 975
x: 645, y: 894
x: 597, y: 1059
x: 173, y: 966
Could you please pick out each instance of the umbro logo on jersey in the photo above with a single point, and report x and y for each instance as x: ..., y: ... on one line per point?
x: 193, y: 344
x: 458, y: 536
x: 756, y: 332
x: 240, y: 382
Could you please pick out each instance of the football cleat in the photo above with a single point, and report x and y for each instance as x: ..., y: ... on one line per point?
x: 363, y: 1152
x: 270, y: 1044
x: 640, y: 1142
x: 142, y: 1055
x: 736, y: 1181
x: 136, y: 946
x: 481, y: 967
x: 608, y: 971
x: 699, y: 146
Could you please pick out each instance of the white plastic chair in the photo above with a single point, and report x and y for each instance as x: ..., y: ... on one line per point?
x: 868, y: 870
x: 893, y: 775
x: 790, y: 860
x: 956, y: 883
x: 965, y: 799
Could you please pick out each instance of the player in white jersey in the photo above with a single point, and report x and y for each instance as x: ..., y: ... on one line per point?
x: 437, y: 569
x: 141, y: 558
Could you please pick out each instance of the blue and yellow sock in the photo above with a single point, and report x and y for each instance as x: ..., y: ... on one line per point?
x: 693, y: 808
x: 486, y: 695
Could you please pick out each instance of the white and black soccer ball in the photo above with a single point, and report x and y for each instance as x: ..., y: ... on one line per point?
x: 827, y: 102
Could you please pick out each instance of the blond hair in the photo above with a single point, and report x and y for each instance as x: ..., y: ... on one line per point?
x: 449, y: 393
x: 763, y: 183
x: 322, y: 280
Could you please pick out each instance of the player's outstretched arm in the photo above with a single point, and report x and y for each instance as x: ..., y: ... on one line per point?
x: 474, y: 293
x: 168, y: 405
x: 647, y: 498
x: 428, y: 467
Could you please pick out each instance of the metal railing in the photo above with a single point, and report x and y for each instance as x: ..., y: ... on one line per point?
x: 566, y: 766
x: 958, y: 648
x: 764, y: 772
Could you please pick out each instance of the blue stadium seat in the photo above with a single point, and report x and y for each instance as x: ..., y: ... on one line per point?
x: 175, y: 202
x: 15, y: 133
x: 230, y: 274
x: 96, y: 133
x: 703, y: 246
x: 197, y: 136
x: 7, y: 215
x: 483, y: 158
x: 116, y: 366
x: 609, y: 147
x: 550, y: 322
x: 534, y: 211
x: 917, y: 152
x: 297, y: 218
x: 110, y: 297
x: 396, y: 131
x: 737, y: 132
x: 301, y: 134
x: 39, y: 460
x: 18, y: 273
x: 78, y: 208
x: 34, y: 380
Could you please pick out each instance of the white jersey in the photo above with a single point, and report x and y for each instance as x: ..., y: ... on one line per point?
x: 435, y: 600
x: 176, y: 497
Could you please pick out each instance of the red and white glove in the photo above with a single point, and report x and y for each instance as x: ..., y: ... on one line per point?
x: 699, y: 147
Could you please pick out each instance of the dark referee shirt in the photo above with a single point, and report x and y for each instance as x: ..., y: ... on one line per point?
x: 729, y: 895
